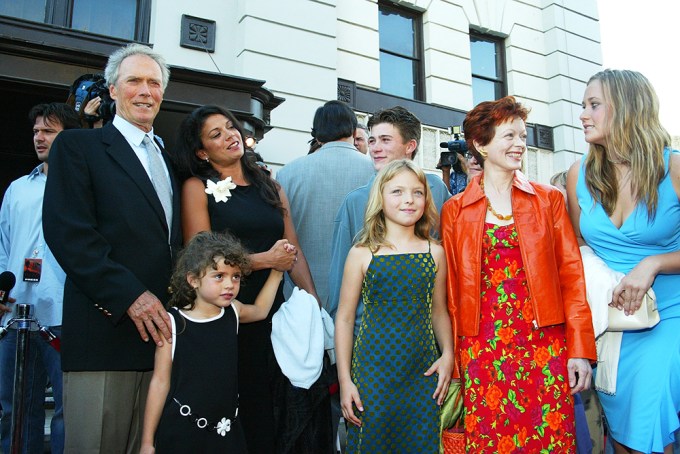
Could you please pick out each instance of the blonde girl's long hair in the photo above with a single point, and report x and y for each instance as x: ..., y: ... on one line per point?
x: 635, y: 137
x: 373, y: 235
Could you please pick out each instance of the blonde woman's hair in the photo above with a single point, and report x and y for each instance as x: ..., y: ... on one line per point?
x: 559, y: 179
x: 635, y: 137
x: 375, y: 229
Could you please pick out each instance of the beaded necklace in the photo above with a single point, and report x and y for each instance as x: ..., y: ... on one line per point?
x: 490, y: 208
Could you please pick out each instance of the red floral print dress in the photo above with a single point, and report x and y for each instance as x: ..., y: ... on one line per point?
x: 516, y: 396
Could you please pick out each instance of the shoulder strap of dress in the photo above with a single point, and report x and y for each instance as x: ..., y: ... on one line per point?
x: 233, y: 306
x: 174, y: 332
x: 429, y: 247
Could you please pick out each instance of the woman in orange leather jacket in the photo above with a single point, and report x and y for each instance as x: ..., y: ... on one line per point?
x: 516, y: 293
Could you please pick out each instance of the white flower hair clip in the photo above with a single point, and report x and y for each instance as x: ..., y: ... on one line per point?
x: 220, y: 190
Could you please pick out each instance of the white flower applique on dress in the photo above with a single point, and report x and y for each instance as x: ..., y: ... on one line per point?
x: 223, y: 426
x: 220, y: 190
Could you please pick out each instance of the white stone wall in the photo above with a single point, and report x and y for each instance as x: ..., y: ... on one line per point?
x: 301, y: 48
x: 573, y: 55
x: 166, y: 18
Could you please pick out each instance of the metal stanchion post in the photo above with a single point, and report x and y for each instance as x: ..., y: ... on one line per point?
x: 23, y: 320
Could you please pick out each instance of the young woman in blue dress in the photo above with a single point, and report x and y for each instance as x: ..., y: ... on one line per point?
x: 624, y: 202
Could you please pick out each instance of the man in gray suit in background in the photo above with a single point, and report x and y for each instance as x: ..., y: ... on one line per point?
x: 316, y: 185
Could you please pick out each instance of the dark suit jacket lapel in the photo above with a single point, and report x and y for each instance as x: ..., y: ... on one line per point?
x: 119, y: 150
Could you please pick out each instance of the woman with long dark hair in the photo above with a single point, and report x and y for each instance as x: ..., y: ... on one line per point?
x: 227, y: 191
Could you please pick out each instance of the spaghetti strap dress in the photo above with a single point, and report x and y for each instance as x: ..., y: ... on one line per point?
x: 516, y: 396
x: 643, y: 414
x: 394, y: 348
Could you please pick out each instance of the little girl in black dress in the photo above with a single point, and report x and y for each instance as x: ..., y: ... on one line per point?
x: 192, y: 404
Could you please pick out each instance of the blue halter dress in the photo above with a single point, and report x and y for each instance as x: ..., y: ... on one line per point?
x: 643, y: 414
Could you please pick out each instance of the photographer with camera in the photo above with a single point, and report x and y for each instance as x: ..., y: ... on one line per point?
x: 457, y: 164
x: 90, y: 113
x: 89, y: 96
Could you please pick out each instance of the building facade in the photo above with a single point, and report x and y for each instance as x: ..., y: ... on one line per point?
x: 275, y: 62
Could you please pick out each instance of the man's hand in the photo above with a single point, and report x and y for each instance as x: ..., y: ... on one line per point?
x: 92, y: 106
x: 149, y: 317
x: 4, y: 308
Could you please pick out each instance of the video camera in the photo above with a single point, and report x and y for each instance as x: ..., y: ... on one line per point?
x: 456, y: 146
x: 86, y: 88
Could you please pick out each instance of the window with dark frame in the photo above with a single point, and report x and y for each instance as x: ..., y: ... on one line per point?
x: 401, y: 68
x: 487, y: 58
x: 125, y: 19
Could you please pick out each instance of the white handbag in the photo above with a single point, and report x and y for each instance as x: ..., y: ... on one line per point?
x: 645, y: 317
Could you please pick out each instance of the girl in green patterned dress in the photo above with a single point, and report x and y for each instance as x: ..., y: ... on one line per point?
x: 395, y: 378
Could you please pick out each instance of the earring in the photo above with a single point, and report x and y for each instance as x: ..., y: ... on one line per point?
x: 207, y: 160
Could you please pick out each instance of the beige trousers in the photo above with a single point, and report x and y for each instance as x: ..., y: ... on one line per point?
x: 104, y: 411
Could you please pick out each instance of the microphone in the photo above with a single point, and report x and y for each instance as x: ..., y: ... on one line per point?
x: 7, y: 281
